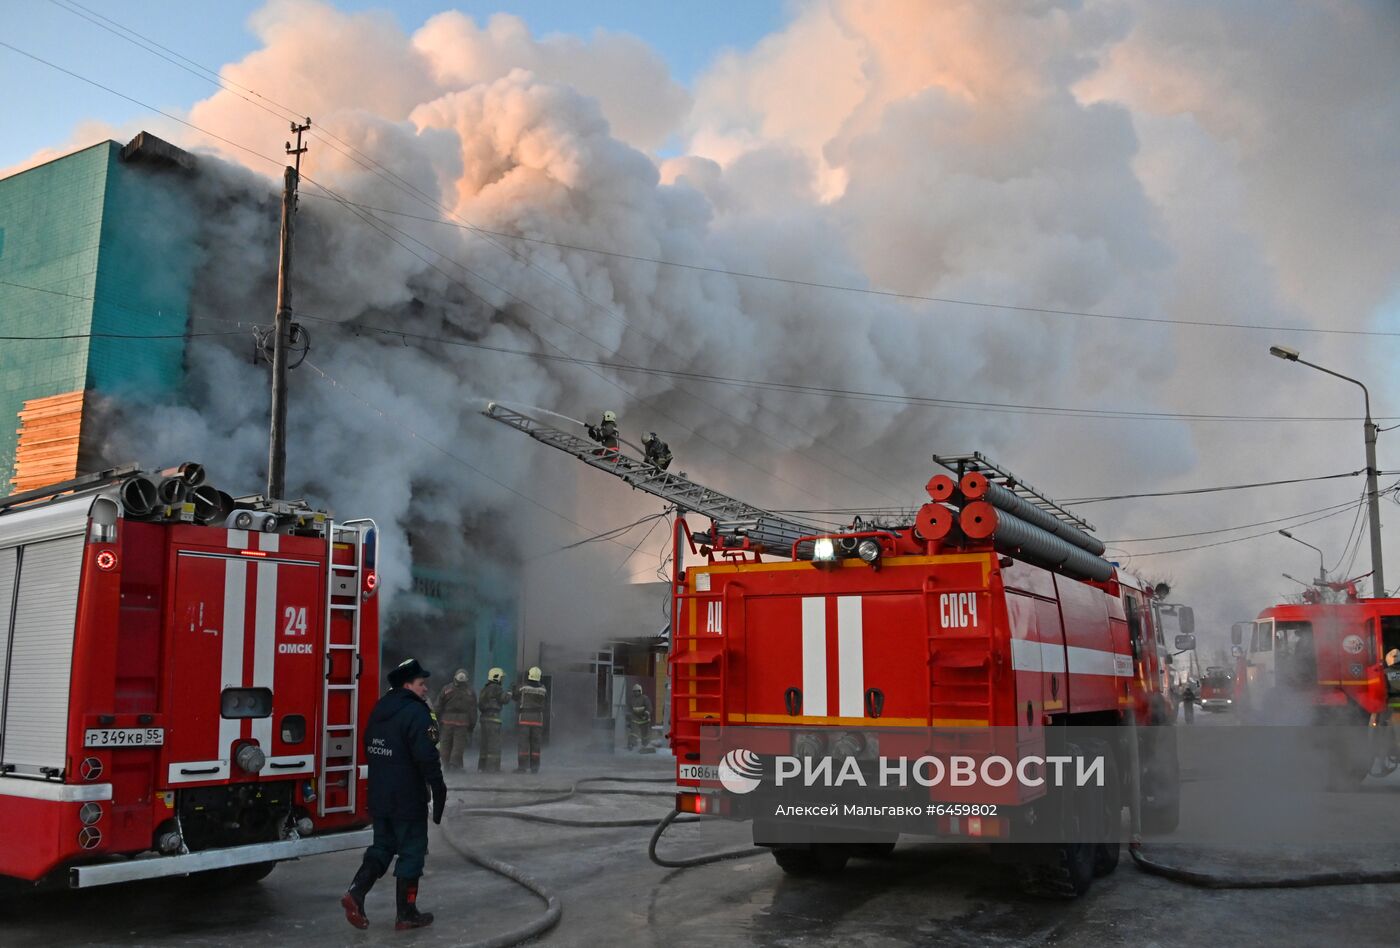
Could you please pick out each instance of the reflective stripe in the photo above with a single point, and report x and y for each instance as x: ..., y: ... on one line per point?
x: 59, y: 792
x: 231, y: 669
x: 1030, y: 655
x: 1093, y: 661
x: 850, y: 657
x: 814, y: 656
x: 238, y: 539
x: 264, y: 645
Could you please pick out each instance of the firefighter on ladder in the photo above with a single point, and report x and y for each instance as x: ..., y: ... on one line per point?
x: 456, y: 711
x: 401, y: 747
x: 605, y: 433
x: 658, y: 452
x: 529, y: 718
x: 639, y: 720
x: 492, y: 699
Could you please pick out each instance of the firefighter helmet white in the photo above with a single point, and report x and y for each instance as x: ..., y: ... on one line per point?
x: 534, y: 674
x: 636, y: 689
x: 461, y: 675
x: 610, y: 416
x: 496, y: 674
x: 649, y: 437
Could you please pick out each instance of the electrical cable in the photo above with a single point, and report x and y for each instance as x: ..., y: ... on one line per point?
x: 1242, y: 526
x: 1252, y: 536
x: 1081, y: 501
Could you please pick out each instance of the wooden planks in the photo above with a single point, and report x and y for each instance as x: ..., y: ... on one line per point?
x: 50, y: 430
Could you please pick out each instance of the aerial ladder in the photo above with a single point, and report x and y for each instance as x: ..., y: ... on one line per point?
x: 733, y: 519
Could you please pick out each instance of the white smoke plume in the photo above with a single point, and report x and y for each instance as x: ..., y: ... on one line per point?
x: 1199, y: 162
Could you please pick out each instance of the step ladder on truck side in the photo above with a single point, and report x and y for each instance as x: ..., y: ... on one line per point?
x: 339, y: 755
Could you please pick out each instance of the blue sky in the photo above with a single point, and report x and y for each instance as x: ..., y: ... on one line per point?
x: 43, y: 106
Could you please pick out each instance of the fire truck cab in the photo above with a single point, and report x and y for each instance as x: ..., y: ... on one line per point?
x: 183, y: 680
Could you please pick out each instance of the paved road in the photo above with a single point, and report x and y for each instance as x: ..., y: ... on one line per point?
x: 924, y: 894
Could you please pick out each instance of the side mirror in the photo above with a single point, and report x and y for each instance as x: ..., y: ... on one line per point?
x: 1186, y: 620
x: 1237, y: 632
x: 1186, y: 641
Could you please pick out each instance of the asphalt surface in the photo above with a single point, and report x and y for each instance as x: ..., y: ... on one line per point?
x: 924, y: 894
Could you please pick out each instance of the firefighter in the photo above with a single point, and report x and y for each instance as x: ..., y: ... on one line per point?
x: 658, y: 452
x: 639, y: 720
x: 456, y: 712
x: 492, y: 699
x: 1188, y: 700
x: 605, y: 433
x: 530, y: 698
x: 401, y: 746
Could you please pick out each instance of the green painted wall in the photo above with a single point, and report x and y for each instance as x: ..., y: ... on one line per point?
x: 111, y: 248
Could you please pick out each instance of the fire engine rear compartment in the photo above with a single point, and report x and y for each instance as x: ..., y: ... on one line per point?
x: 166, y: 686
x: 925, y: 642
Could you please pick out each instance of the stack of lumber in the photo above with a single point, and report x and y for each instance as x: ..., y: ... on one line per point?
x: 50, y: 430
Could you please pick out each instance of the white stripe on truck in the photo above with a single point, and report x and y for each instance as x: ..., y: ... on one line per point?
x: 850, y: 656
x: 814, y: 656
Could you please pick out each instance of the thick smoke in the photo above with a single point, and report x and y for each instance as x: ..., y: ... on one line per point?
x: 1199, y: 163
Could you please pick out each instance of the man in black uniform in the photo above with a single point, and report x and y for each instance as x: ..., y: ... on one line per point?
x: 401, y: 746
x: 605, y: 433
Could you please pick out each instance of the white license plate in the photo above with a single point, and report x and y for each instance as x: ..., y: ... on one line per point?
x: 124, y: 737
x: 698, y: 772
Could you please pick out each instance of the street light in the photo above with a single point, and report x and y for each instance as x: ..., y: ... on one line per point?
x: 1372, y: 492
x: 1321, y: 563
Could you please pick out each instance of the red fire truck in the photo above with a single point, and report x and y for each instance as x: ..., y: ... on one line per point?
x: 1319, y: 662
x: 989, y: 611
x: 183, y: 680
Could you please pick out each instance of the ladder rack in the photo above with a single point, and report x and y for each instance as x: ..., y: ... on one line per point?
x: 731, y: 517
x: 960, y: 464
x: 338, y: 757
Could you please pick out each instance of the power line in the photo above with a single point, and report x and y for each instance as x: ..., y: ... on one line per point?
x: 1080, y: 501
x: 1241, y: 526
x: 888, y: 294
x: 1253, y: 536
x: 792, y: 387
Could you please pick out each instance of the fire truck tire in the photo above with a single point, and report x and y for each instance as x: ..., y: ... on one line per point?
x: 1161, y: 780
x: 1065, y: 870
x: 1107, y: 853
x: 821, y: 859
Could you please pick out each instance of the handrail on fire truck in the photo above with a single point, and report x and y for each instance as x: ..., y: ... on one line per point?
x: 731, y: 517
x: 960, y: 464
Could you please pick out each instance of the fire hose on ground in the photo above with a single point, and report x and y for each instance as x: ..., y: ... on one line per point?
x: 1210, y: 880
x: 519, y: 811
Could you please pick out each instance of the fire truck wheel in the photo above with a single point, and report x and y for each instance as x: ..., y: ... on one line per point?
x: 1161, y: 774
x: 1107, y: 852
x: 819, y: 860
x: 1065, y: 870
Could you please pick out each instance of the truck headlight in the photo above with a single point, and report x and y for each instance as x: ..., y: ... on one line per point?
x: 869, y: 550
x: 824, y: 550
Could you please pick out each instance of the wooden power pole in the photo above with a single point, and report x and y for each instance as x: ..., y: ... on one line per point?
x: 282, y: 326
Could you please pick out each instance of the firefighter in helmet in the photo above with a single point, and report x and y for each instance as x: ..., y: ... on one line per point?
x: 658, y: 452
x: 605, y: 433
x: 492, y: 699
x: 529, y: 718
x: 639, y: 720
x: 400, y: 744
x: 456, y: 712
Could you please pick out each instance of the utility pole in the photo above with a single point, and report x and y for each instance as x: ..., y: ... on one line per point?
x: 282, y: 325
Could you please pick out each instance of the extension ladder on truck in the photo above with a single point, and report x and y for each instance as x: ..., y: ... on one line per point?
x: 731, y: 517
x: 340, y: 696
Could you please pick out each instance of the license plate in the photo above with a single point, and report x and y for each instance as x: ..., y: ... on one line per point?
x: 698, y: 771
x: 124, y: 737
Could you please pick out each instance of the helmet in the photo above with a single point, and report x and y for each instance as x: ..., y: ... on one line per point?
x: 406, y: 671
x: 461, y: 675
x: 636, y: 689
x: 649, y: 437
x: 496, y: 674
x: 610, y: 416
x: 534, y: 673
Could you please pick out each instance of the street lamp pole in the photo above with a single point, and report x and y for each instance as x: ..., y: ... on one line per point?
x: 1372, y: 491
x: 1321, y: 563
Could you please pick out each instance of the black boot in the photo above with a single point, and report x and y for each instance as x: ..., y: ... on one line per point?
x: 353, y: 901
x: 409, y: 916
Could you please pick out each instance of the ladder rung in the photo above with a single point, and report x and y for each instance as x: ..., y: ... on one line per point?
x: 347, y: 567
x: 340, y: 727
x: 331, y: 687
x: 345, y: 605
x: 339, y: 769
x: 338, y: 647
